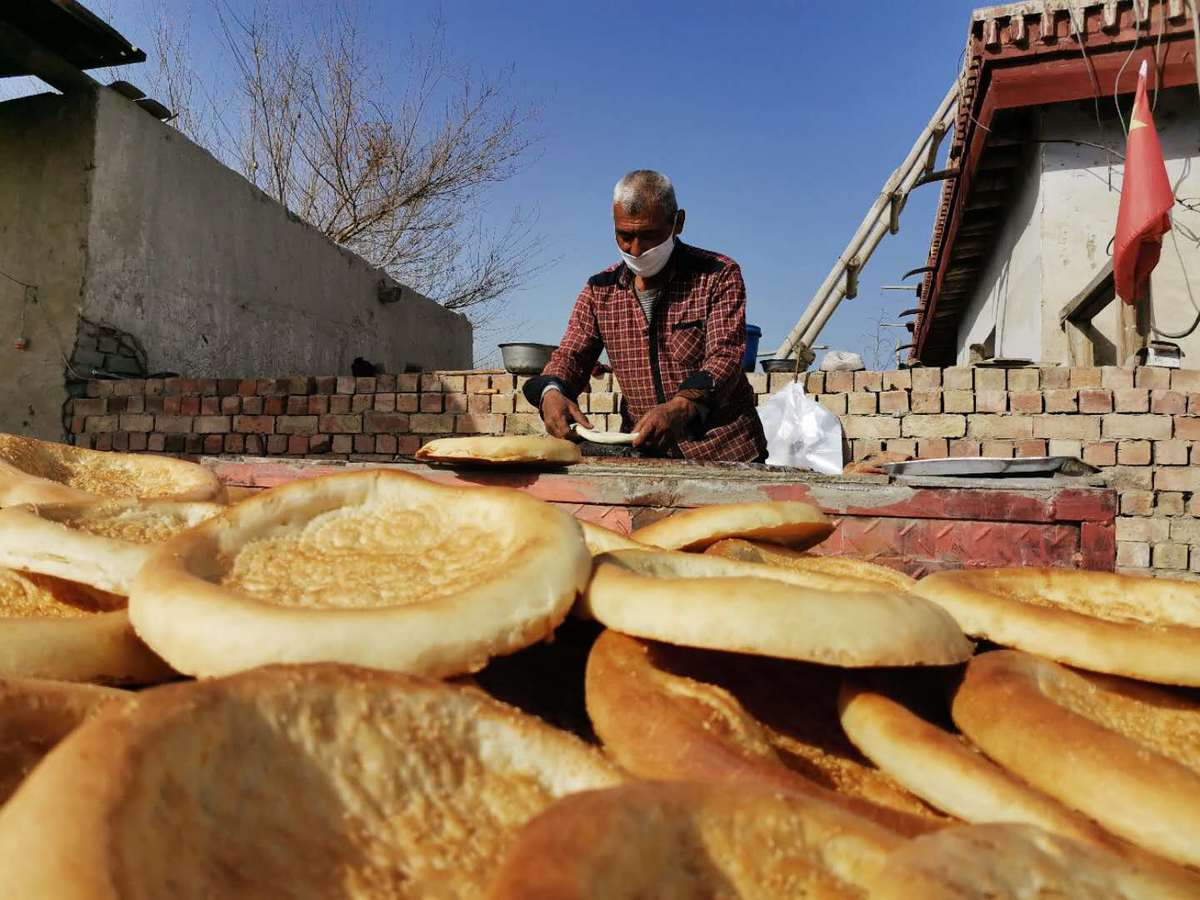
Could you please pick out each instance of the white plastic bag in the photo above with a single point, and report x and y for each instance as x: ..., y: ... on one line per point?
x: 801, y: 432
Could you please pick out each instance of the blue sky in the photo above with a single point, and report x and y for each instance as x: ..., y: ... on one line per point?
x: 778, y: 121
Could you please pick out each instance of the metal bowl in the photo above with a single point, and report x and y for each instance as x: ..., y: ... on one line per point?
x: 523, y: 358
x: 779, y: 365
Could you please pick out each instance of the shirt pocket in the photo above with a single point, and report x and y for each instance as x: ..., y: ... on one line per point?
x: 686, y: 341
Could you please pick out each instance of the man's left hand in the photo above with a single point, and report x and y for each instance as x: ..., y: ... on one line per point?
x: 664, y: 424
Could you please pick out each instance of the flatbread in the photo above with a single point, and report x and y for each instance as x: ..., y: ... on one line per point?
x: 502, y: 450
x: 314, y: 782
x: 102, y: 544
x: 1146, y: 628
x: 376, y: 568
x: 792, y: 524
x: 692, y: 841
x: 1124, y: 753
x: 36, y: 714
x: 33, y: 471
x: 672, y: 713
x: 706, y: 601
x: 604, y: 437
x: 802, y: 561
x: 944, y: 770
x: 604, y: 540
x: 1021, y: 862
x: 50, y: 628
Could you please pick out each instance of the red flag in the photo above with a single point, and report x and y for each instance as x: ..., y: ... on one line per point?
x: 1146, y: 200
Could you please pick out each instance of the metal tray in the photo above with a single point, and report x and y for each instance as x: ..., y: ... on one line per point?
x: 993, y: 466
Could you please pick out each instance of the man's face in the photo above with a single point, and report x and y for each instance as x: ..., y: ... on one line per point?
x: 637, y: 233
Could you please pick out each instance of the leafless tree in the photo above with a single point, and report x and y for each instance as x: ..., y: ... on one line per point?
x: 877, y: 345
x: 309, y: 111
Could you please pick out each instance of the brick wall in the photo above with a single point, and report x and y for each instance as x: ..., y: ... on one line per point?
x: 1141, y: 426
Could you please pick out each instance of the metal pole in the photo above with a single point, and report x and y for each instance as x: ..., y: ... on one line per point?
x: 868, y: 235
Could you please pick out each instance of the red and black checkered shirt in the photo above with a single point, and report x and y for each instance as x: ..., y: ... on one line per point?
x: 695, y: 341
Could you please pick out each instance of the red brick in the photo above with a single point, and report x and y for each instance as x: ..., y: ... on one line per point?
x: 256, y: 444
x: 376, y: 422
x: 410, y: 382
x: 1177, y: 479
x: 248, y: 387
x: 93, y: 389
x: 210, y: 406
x: 385, y: 384
x: 364, y: 443
x: 172, y: 386
x: 172, y: 405
x: 986, y: 427
x: 320, y: 443
x: 77, y: 425
x: 137, y: 423
x: 117, y: 404
x: 1137, y: 503
x: 385, y: 403
x: 1055, y: 379
x: 231, y: 406
x: 297, y: 444
x: 1152, y: 377
x: 991, y: 401
x: 1100, y: 453
x: 154, y: 387
x: 235, y: 443
x: 837, y: 382
x: 1139, y: 427
x: 102, y: 441
x: 266, y: 388
x: 431, y: 403
x: 1193, y: 404
x: 364, y: 385
x: 304, y: 425
x: 297, y: 405
x: 1060, y: 401
x: 325, y: 384
x: 955, y: 401
x: 942, y: 426
x: 894, y: 402
x: 932, y: 448
x: 479, y: 424
x: 227, y: 387
x: 431, y: 424
x: 253, y: 406
x: 476, y: 403
x: 409, y: 403
x: 254, y: 424
x: 408, y: 444
x: 1187, y: 428
x: 97, y: 406
x: 341, y: 424
x: 207, y: 387
x: 277, y: 443
x: 317, y: 405
x: 173, y: 424
x: 156, y: 443
x: 153, y: 404
x: 120, y: 440
x: 1025, y: 402
x: 1167, y: 453
x: 1096, y: 401
x: 189, y: 406
x: 1002, y: 449
x: 1170, y: 403
x: 1085, y: 378
x: 386, y: 443
x: 962, y: 447
x: 275, y: 406
x: 868, y: 381
x: 865, y: 403
x: 137, y: 442
x: 835, y: 403
x: 361, y: 402
x: 455, y: 403
x: 1030, y: 448
x: 339, y: 404
x: 135, y: 404
x: 1131, y: 400
x: 211, y: 424
x: 345, y: 384
x: 214, y: 443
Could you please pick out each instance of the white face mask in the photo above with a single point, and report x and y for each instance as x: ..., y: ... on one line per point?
x: 651, y: 262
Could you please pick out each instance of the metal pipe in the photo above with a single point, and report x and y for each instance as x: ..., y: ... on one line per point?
x: 829, y: 294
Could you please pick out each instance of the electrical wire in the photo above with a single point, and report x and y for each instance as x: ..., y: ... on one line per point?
x: 1137, y: 33
x: 1079, y: 37
x: 23, y: 284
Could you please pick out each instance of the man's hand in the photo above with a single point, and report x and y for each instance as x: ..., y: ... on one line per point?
x: 664, y: 423
x: 558, y: 412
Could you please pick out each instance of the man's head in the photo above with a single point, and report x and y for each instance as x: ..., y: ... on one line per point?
x: 645, y: 212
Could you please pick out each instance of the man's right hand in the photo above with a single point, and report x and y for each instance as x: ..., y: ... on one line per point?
x: 558, y: 412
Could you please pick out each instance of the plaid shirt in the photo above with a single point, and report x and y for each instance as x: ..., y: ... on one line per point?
x: 695, y: 342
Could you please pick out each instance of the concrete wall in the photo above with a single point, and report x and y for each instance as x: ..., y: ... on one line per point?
x: 1072, y: 222
x: 216, y: 278
x: 45, y: 159
x: 1011, y: 285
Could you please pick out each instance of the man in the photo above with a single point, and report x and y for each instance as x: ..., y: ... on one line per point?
x: 673, y: 319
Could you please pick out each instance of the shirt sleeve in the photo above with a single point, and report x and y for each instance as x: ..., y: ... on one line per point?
x: 570, y: 366
x: 725, y: 337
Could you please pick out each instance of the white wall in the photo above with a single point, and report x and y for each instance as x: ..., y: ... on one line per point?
x: 1051, y: 248
x: 218, y: 280
x: 1010, y: 289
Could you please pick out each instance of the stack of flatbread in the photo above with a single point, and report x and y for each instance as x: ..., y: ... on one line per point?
x: 377, y: 689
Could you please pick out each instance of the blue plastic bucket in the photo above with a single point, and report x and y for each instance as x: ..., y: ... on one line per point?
x: 750, y: 360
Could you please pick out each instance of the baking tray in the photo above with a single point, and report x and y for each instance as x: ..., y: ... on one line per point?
x: 991, y: 466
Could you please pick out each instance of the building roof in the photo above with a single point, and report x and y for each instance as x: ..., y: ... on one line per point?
x: 1020, y: 56
x: 68, y: 29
